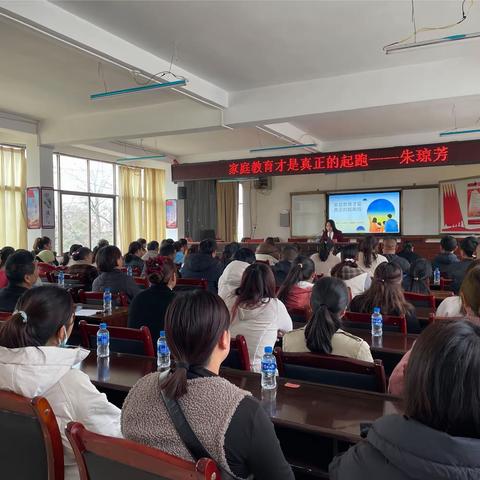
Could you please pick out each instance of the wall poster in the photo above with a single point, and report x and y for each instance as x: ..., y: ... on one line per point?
x: 171, y: 212
x: 33, y: 208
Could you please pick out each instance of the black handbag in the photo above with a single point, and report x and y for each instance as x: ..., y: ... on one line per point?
x: 187, y: 435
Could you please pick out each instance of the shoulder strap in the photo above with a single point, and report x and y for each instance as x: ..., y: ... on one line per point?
x: 196, y: 449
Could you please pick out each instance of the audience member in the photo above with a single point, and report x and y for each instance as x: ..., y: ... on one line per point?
x: 281, y: 268
x: 168, y: 250
x: 232, y: 275
x: 418, y: 278
x: 387, y: 294
x: 228, y: 253
x: 180, y: 255
x: 149, y: 306
x: 153, y: 248
x: 256, y: 312
x: 204, y: 264
x: 101, y: 243
x: 31, y: 365
x: 437, y: 436
x: 296, y: 290
x: 325, y: 260
x: 22, y: 274
x: 109, y: 262
x: 81, y: 265
x: 456, y: 271
x: 143, y: 245
x: 390, y: 253
x: 348, y: 271
x: 40, y: 244
x: 229, y: 423
x: 408, y: 252
x: 323, y: 333
x: 331, y: 232
x: 268, y: 252
x: 67, y: 256
x: 133, y: 258
x: 448, y: 245
x: 167, y: 241
x: 368, y: 257
x: 5, y: 252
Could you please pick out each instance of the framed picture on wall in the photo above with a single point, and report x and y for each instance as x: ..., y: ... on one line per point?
x: 171, y: 211
x: 33, y: 208
x: 48, y: 207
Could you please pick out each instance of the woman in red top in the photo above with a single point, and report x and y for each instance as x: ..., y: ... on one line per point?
x: 296, y: 290
x: 5, y: 252
x: 331, y: 232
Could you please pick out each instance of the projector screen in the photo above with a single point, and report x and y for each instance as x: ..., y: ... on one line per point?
x: 366, y: 212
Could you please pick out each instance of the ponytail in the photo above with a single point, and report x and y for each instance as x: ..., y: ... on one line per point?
x: 320, y: 330
x: 324, y: 250
x: 175, y: 385
x: 302, y: 269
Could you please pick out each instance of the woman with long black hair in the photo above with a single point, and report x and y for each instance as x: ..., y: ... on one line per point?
x: 324, y: 260
x: 297, y: 287
x: 331, y: 232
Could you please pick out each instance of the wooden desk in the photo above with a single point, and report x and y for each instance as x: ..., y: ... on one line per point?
x: 118, y: 317
x: 313, y: 422
x: 391, y: 342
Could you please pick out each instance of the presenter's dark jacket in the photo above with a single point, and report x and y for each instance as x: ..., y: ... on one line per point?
x: 399, y: 448
x: 337, y: 236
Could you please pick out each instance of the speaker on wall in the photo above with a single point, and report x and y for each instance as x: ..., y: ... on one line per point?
x: 181, y: 193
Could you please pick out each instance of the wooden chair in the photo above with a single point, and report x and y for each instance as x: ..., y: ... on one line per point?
x: 123, y: 340
x: 44, y: 268
x: 100, y: 457
x: 142, y: 282
x: 332, y: 370
x: 238, y: 357
x: 5, y: 315
x: 30, y: 445
x: 421, y: 300
x: 446, y: 283
x: 137, y: 272
x: 70, y: 279
x: 391, y: 323
x: 186, y: 284
x: 300, y: 315
x: 96, y: 298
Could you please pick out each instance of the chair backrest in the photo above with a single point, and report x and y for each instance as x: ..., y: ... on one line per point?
x: 29, y: 431
x: 446, y: 283
x: 100, y: 457
x: 420, y: 300
x: 70, y: 279
x: 142, y: 282
x: 332, y: 370
x: 5, y: 315
x: 96, y: 298
x: 391, y: 323
x: 137, y: 272
x: 44, y: 268
x: 300, y: 315
x: 122, y: 340
x: 238, y: 357
x: 185, y: 284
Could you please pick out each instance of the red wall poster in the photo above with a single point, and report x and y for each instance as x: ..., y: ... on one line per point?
x: 171, y: 207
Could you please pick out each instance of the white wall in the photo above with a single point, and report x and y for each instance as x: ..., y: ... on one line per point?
x: 264, y: 207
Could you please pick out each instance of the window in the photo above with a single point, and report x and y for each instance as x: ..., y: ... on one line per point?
x: 240, y: 213
x: 85, y: 201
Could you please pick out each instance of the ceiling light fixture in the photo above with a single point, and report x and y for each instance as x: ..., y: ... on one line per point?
x: 142, y: 88
x: 459, y: 132
x: 427, y: 43
x: 283, y: 147
x: 147, y: 157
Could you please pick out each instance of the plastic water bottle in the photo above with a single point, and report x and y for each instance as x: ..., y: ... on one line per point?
x: 61, y: 279
x: 103, y: 369
x: 103, y: 341
x: 377, y: 323
x: 436, y: 276
x: 163, y: 352
x: 129, y: 271
x: 269, y: 369
x: 107, y: 301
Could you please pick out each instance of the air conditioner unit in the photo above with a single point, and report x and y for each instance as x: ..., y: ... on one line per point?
x: 263, y: 183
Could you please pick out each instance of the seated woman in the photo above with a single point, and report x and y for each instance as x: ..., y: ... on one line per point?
x: 467, y: 305
x: 437, y: 436
x: 387, y: 294
x: 408, y: 252
x: 268, y: 252
x: 43, y: 251
x: 324, y: 260
x: 296, y: 290
x: 32, y: 364
x: 67, y: 256
x: 323, y: 333
x: 101, y: 243
x: 232, y: 275
x: 256, y: 312
x: 81, y: 265
x: 149, y: 306
x: 133, y: 258
x: 348, y: 271
x: 109, y: 262
x: 5, y: 252
x: 368, y: 257
x: 229, y: 252
x: 418, y: 278
x: 228, y: 421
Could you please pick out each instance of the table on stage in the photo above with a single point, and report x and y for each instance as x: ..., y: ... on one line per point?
x: 313, y: 422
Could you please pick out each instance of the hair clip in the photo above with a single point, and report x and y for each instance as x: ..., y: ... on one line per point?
x: 22, y: 314
x: 416, y: 279
x: 300, y: 265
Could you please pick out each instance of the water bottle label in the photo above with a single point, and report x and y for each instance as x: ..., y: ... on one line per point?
x: 268, y: 367
x: 102, y: 339
x: 163, y: 349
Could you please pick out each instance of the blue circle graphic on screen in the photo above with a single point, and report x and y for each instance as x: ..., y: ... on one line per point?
x: 360, y: 229
x: 381, y: 208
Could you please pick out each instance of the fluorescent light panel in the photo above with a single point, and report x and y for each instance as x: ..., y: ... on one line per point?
x: 147, y: 157
x: 459, y: 132
x: 142, y: 88
x: 296, y: 145
x: 426, y: 43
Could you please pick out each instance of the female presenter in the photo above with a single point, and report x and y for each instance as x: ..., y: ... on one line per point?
x: 331, y: 232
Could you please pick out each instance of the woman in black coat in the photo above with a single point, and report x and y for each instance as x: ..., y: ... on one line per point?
x: 438, y: 438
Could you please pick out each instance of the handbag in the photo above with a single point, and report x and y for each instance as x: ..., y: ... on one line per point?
x: 187, y: 435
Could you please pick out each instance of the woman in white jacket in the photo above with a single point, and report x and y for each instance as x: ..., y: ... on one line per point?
x: 232, y: 275
x: 256, y: 312
x: 32, y: 364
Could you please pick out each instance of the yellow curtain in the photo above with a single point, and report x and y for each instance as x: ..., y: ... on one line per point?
x: 13, y: 184
x: 227, y: 210
x: 141, y: 209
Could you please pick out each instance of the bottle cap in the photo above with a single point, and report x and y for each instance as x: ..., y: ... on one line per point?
x: 162, y: 333
x: 107, y: 290
x: 376, y: 310
x: 268, y: 349
x: 103, y: 326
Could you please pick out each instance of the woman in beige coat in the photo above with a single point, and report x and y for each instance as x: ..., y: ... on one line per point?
x: 323, y: 334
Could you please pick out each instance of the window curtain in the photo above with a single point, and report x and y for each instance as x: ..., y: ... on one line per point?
x: 141, y: 209
x: 227, y: 211
x: 13, y: 184
x: 200, y: 208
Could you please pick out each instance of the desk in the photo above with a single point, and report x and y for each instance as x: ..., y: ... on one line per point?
x: 313, y: 422
x: 118, y: 317
x: 392, y: 342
